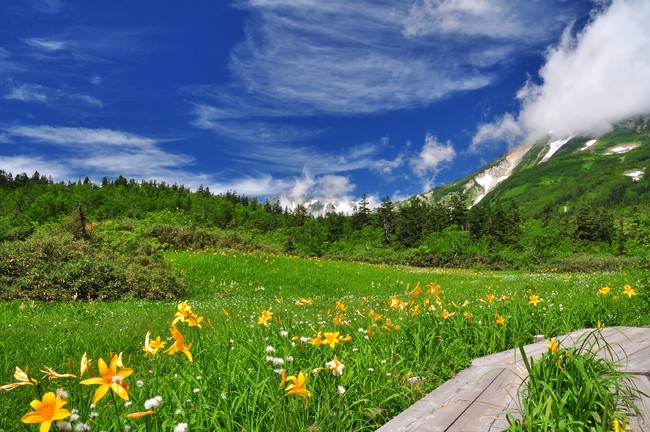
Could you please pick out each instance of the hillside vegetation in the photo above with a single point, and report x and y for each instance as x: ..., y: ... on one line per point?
x: 580, y: 210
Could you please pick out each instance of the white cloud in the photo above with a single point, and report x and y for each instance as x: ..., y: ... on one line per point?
x: 334, y: 186
x: 302, y: 186
x: 595, y: 79
x: 307, y: 57
x: 589, y: 81
x: 433, y: 154
x: 504, y: 129
x: 79, y: 136
x: 95, y: 153
x: 222, y: 122
x: 386, y: 167
x: 46, y: 44
x: 28, y: 92
x: 27, y: 164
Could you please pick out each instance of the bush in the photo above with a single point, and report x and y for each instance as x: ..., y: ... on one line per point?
x: 51, y: 265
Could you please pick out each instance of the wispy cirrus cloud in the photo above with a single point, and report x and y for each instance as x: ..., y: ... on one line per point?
x: 29, y: 92
x: 30, y: 164
x: 78, y: 137
x: 98, y: 152
x: 338, y: 57
x: 46, y: 44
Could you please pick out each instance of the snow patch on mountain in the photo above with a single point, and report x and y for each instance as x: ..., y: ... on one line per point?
x: 554, y: 147
x: 588, y: 144
x: 321, y: 206
x: 491, y: 177
x: 623, y: 148
x: 635, y: 175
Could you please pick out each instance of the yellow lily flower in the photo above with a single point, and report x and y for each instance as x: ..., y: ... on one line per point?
x: 303, y: 301
x: 417, y: 290
x: 340, y: 306
x: 179, y: 344
x: 22, y: 378
x: 265, y: 317
x: 499, y: 319
x: 534, y: 300
x: 331, y: 339
x: 374, y: 315
x: 629, y: 291
x: 445, y: 314
x: 297, y: 386
x: 151, y: 347
x: 552, y: 345
x: 195, y: 320
x: 50, y: 373
x: 603, y: 291
x: 136, y: 415
x: 85, y: 365
x: 388, y: 325
x: 395, y: 303
x: 183, y: 312
x: 46, y: 411
x: 111, y: 379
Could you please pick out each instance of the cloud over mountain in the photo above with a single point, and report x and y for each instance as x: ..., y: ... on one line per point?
x: 589, y: 81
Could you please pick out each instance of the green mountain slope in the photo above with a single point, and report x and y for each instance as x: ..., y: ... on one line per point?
x: 611, y: 171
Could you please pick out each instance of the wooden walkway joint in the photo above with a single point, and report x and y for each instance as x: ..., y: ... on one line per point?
x: 479, y: 397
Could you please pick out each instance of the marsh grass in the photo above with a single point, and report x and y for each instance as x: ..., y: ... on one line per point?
x: 410, y: 330
x: 574, y: 388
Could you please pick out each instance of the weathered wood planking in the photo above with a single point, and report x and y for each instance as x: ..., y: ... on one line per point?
x: 479, y: 397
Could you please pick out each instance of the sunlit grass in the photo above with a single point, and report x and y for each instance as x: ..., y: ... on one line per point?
x: 401, y: 332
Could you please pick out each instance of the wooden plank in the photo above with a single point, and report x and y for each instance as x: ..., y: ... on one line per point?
x: 639, y: 361
x: 479, y: 397
x: 641, y: 423
x: 440, y: 408
x: 501, y: 393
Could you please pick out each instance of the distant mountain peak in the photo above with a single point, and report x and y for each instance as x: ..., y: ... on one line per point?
x: 558, y: 173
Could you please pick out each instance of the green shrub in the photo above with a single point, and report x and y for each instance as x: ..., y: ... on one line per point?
x: 52, y: 265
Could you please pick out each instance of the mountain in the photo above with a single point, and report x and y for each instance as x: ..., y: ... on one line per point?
x: 611, y: 170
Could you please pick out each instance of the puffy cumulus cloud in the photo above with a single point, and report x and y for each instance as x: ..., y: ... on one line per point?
x: 426, y: 164
x: 387, y: 166
x: 597, y: 78
x: 334, y: 186
x: 589, y: 81
x: 507, y: 129
x: 324, y: 186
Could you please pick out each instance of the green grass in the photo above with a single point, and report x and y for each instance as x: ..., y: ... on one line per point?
x: 570, y: 388
x: 232, y: 383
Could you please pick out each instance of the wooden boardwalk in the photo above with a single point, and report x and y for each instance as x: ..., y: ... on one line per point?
x: 479, y: 397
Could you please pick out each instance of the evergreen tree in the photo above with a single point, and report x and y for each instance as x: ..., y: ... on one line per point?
x: 385, y: 218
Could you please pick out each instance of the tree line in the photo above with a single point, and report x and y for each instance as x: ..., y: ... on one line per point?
x: 445, y: 233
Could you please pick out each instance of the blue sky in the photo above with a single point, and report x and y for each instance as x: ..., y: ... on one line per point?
x: 320, y: 98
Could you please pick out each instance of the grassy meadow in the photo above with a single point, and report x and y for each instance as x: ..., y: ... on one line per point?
x: 277, y: 343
